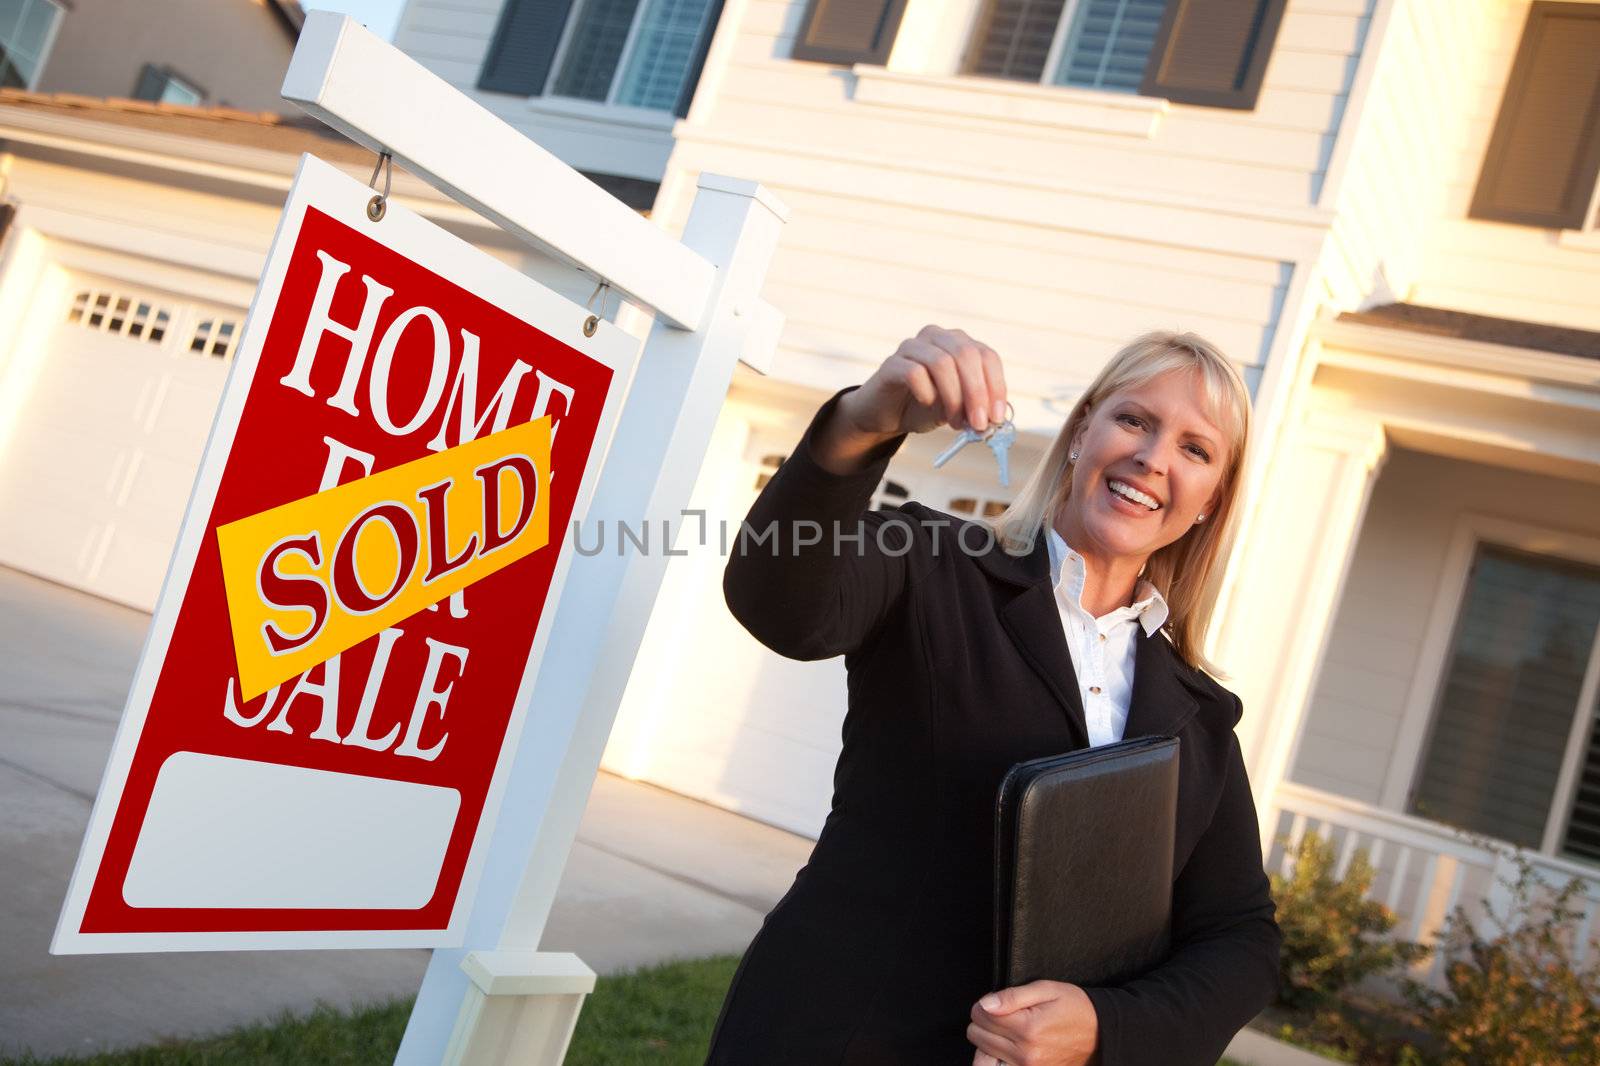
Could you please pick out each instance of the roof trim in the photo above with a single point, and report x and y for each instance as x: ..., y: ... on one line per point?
x: 1465, y: 325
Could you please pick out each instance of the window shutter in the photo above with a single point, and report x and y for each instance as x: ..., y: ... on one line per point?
x: 1015, y: 39
x: 152, y: 82
x: 1213, y: 52
x: 524, y: 46
x: 849, y: 31
x: 1544, y: 155
x: 697, y: 62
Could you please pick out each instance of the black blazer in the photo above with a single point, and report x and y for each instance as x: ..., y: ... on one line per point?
x: 958, y: 667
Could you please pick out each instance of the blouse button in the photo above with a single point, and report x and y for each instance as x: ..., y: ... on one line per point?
x: 1095, y: 689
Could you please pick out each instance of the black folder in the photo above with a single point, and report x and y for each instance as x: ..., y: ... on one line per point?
x: 1083, y: 864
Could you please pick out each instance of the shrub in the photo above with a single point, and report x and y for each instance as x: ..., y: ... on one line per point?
x: 1516, y: 997
x: 1332, y: 935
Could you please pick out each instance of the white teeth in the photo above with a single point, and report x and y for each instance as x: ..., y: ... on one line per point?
x: 1128, y: 492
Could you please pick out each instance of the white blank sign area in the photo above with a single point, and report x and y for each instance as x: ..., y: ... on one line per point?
x: 224, y: 832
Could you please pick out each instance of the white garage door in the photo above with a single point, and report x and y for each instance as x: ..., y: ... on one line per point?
x: 96, y: 472
x: 714, y: 715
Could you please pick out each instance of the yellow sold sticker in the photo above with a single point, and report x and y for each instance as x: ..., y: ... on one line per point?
x: 316, y: 576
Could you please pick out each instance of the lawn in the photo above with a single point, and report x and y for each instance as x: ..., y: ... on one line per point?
x: 656, y: 1017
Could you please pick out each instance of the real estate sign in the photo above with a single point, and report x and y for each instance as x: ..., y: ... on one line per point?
x: 340, y: 661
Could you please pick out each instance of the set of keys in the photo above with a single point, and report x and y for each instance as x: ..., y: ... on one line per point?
x: 998, y: 438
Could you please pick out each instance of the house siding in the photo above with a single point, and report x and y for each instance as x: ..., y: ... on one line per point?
x: 1053, y: 223
x: 1495, y: 268
x: 1355, y: 715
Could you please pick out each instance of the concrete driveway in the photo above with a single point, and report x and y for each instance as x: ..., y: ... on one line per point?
x: 653, y: 876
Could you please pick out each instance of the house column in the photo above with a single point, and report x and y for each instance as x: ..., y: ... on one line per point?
x: 1271, y: 641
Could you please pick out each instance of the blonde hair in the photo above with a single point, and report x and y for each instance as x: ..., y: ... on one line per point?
x: 1187, y: 571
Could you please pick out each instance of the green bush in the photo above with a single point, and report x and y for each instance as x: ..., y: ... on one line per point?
x: 1333, y: 936
x: 1515, y: 997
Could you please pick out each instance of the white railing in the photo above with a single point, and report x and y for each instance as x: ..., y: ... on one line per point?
x: 1423, y: 869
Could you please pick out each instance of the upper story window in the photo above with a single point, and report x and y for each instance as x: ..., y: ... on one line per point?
x: 1543, y: 162
x: 161, y: 85
x: 26, y: 27
x: 1097, y: 44
x: 1208, y: 52
x: 632, y: 53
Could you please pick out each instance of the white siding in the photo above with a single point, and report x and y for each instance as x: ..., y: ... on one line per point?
x: 1495, y: 268
x: 1378, y: 631
x: 1052, y: 223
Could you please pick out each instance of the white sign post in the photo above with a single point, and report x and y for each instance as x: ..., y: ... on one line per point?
x: 496, y: 999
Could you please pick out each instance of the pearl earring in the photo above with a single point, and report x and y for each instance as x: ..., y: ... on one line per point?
x: 1072, y: 458
x: 1200, y: 518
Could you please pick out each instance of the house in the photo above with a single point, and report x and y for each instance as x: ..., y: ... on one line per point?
x: 1385, y: 210
x: 137, y: 219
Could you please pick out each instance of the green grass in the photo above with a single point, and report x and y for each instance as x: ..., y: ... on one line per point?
x: 661, y: 1016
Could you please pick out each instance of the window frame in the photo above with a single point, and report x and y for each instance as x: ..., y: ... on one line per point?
x: 609, y: 106
x: 49, y: 41
x: 169, y: 76
x: 1052, y: 62
x: 1419, y: 717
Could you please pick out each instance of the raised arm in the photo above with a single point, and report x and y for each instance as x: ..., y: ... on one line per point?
x: 814, y: 572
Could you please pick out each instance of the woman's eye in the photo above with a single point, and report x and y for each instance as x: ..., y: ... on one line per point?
x: 1199, y: 453
x: 1132, y: 420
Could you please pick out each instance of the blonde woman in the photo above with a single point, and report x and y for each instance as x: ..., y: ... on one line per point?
x: 1078, y: 620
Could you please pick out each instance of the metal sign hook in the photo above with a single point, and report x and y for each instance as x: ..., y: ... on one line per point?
x: 592, y: 323
x: 379, y: 204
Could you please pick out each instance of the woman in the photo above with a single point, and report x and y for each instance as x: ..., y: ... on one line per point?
x: 1083, y: 624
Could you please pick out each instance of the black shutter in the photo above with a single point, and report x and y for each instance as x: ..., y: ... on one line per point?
x: 152, y: 83
x: 849, y: 31
x: 1213, y: 52
x: 698, y: 62
x: 524, y: 46
x: 1544, y: 156
x: 1015, y: 39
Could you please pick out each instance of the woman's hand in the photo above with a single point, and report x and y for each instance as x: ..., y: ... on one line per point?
x: 939, y: 377
x: 1046, y: 1023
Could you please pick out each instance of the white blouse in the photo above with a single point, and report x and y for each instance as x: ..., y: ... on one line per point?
x: 1102, y: 648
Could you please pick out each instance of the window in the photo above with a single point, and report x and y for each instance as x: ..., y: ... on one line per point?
x: 978, y: 506
x: 127, y: 316
x: 631, y: 53
x: 161, y: 85
x: 890, y: 493
x: 26, y: 27
x: 1208, y: 52
x: 214, y: 337
x: 1511, y: 753
x: 1543, y: 160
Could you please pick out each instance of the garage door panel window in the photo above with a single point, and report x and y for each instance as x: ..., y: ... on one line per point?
x: 214, y: 337
x: 126, y: 316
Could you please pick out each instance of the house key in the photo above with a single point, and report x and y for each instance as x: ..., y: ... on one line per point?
x: 999, y: 441
x: 964, y: 438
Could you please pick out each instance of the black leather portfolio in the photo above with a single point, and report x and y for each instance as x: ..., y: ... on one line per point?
x: 1083, y: 864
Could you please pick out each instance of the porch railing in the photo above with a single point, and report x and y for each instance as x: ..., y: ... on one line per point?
x: 1423, y: 869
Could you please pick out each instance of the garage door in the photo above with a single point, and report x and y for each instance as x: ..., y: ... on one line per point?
x: 724, y: 719
x: 97, y: 469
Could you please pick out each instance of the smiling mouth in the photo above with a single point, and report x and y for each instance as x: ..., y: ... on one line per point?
x: 1133, y: 495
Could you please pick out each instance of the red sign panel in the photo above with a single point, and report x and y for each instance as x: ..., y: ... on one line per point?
x: 353, y: 798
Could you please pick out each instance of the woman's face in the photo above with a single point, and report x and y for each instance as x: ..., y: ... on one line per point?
x: 1149, y: 462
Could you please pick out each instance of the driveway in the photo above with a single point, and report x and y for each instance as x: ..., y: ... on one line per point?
x: 653, y: 876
